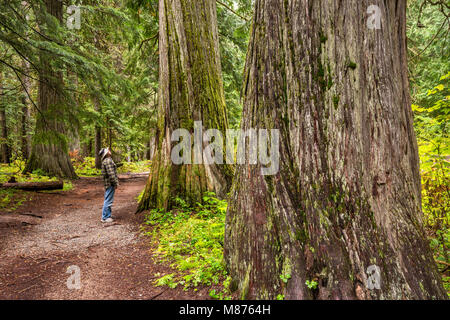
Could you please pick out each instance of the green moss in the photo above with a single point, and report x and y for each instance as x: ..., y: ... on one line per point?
x: 245, y: 284
x: 321, y: 71
x: 336, y: 101
x: 324, y: 219
x: 352, y: 65
x: 330, y: 83
x: 372, y: 219
x: 323, y: 38
x: 302, y: 235
x: 287, y: 270
x: 285, y: 119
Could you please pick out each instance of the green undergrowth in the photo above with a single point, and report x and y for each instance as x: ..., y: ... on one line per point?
x: 12, y: 199
x: 431, y: 123
x: 86, y: 167
x: 191, y: 240
x: 134, y: 167
x: 15, y: 169
x: 436, y: 206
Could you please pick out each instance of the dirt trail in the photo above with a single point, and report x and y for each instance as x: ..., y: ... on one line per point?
x: 53, y: 231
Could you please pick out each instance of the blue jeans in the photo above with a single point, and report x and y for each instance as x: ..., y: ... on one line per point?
x: 109, y: 198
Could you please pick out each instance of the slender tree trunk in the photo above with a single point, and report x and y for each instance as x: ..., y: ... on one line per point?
x: 24, y: 129
x: 88, y: 147
x: 50, y: 148
x: 73, y: 134
x: 98, y: 136
x: 5, y: 149
x: 190, y: 89
x: 26, y: 108
x: 128, y: 154
x: 6, y: 154
x: 346, y: 201
x: 26, y: 115
x: 109, y: 135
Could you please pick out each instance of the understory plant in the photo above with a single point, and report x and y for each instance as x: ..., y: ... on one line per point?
x: 190, y: 239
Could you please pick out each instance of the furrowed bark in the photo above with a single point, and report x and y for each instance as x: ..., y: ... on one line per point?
x: 347, y: 195
x: 190, y: 89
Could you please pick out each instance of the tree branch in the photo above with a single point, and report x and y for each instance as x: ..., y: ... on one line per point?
x: 237, y: 14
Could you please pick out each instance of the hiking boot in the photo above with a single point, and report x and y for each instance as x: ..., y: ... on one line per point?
x: 108, y: 220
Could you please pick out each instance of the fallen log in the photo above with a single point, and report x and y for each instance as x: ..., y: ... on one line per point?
x: 34, y: 186
x: 129, y: 176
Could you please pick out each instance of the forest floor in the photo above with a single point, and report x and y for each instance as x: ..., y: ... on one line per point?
x: 50, y: 232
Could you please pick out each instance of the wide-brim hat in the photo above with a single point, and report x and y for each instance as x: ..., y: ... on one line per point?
x: 103, y: 153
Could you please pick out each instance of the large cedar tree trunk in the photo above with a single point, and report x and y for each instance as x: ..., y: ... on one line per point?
x: 190, y: 89
x: 50, y: 150
x: 347, y: 195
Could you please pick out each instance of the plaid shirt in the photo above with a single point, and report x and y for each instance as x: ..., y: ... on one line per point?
x: 109, y: 172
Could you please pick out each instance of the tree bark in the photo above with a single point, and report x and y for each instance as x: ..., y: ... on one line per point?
x: 26, y: 115
x: 150, y: 148
x: 6, y: 152
x: 347, y: 195
x: 35, y: 186
x: 5, y: 149
x: 150, y: 151
x: 98, y: 137
x: 73, y: 133
x: 190, y: 89
x: 50, y: 149
x: 87, y: 147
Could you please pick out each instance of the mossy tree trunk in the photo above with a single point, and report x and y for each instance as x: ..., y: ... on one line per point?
x: 50, y: 150
x: 190, y: 89
x: 347, y: 195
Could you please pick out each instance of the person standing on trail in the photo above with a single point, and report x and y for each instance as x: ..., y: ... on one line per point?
x: 111, y: 181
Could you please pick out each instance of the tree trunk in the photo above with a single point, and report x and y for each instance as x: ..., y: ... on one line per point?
x: 150, y: 148
x: 98, y: 136
x: 35, y: 186
x: 26, y: 115
x: 5, y: 149
x: 6, y: 152
x: 50, y: 149
x: 190, y: 89
x: 346, y: 200
x: 151, y: 145
x: 73, y: 133
x: 87, y: 147
x: 109, y: 133
x: 26, y: 109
